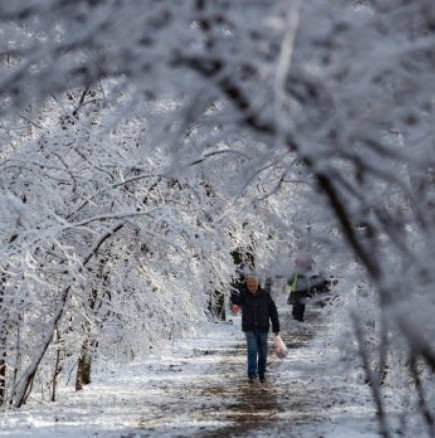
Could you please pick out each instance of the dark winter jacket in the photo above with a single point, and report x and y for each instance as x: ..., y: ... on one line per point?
x: 257, y: 308
x: 306, y: 286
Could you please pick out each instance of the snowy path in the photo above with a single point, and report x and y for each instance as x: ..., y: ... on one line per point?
x: 201, y: 391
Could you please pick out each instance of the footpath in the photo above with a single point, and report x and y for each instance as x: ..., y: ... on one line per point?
x: 201, y: 390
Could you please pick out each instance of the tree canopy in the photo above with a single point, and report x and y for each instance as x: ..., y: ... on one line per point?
x: 143, y: 142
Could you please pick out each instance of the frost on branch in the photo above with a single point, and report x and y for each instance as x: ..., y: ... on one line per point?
x: 205, y: 126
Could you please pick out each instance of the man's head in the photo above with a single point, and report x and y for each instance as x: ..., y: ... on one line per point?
x: 252, y: 283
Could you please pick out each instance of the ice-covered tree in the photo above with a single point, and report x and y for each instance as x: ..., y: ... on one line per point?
x: 266, y: 118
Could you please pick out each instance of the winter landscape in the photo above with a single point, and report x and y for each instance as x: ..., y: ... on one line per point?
x: 200, y: 389
x: 157, y: 159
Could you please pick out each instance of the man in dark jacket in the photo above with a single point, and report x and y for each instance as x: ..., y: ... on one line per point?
x: 257, y: 308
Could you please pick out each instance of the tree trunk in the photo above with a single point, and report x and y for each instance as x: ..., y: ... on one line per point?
x: 26, y: 380
x: 216, y: 305
x: 57, y: 366
x: 2, y: 370
x: 422, y: 403
x: 3, y: 343
x: 371, y: 378
x: 84, y: 366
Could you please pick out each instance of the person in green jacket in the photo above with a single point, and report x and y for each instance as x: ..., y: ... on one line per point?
x: 303, y: 285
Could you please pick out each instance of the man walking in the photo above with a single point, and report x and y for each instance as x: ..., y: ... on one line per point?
x: 303, y: 285
x: 257, y: 308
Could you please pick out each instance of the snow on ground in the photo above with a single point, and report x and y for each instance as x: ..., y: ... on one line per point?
x: 201, y: 390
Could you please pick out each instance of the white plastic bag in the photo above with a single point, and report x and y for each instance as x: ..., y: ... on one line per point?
x: 280, y: 348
